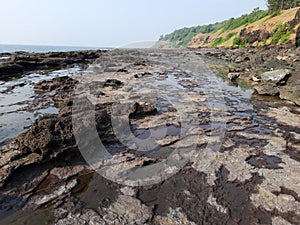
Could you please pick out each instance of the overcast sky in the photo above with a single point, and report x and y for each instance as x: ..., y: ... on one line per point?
x: 108, y: 23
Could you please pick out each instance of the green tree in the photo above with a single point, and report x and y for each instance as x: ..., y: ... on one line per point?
x: 275, y: 5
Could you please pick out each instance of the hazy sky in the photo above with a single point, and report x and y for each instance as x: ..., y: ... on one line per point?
x: 108, y: 23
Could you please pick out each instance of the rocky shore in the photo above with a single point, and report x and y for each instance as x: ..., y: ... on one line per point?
x: 251, y: 64
x: 237, y: 156
x: 17, y: 63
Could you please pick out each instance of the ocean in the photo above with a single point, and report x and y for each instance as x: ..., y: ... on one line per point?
x: 40, y: 48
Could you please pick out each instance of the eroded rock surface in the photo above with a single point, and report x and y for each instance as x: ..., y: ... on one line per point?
x: 274, y: 70
x: 231, y: 159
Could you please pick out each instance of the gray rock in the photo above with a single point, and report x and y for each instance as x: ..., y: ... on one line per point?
x: 87, y: 217
x: 129, y: 191
x: 39, y: 200
x: 256, y: 79
x: 291, y: 93
x: 276, y: 76
x: 267, y: 89
x: 65, y: 173
x: 174, y: 217
x: 128, y: 210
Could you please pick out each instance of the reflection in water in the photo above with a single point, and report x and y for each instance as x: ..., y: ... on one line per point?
x: 18, y: 94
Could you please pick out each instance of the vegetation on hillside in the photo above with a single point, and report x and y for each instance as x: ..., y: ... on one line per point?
x: 183, y: 37
x: 280, y: 34
x: 244, y: 20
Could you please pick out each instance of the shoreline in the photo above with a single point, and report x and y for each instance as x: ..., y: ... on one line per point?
x: 43, y: 168
x: 18, y: 63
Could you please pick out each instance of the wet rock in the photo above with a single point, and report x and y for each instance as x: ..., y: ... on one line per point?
x: 39, y: 200
x: 47, y: 137
x: 12, y: 158
x: 120, y: 166
x: 265, y: 161
x: 284, y: 115
x: 205, y: 194
x: 209, y: 162
x: 142, y: 109
x: 15, y: 197
x: 69, y: 208
x: 7, y: 69
x: 65, y: 173
x: 267, y: 89
x: 114, y: 83
x: 23, y: 61
x: 188, y: 83
x: 270, y: 82
x: 58, y: 84
x: 269, y: 195
x: 140, y: 75
x: 233, y: 76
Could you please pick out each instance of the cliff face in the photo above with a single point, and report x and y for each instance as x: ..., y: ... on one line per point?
x: 280, y: 29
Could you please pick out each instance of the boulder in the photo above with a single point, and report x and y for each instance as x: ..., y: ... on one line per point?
x: 276, y: 76
x: 291, y: 93
x: 266, y: 89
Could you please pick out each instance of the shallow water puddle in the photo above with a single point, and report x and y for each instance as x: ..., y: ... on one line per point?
x: 16, y: 96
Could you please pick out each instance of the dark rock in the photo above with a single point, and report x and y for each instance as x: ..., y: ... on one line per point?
x: 276, y: 64
x: 24, y: 61
x: 113, y: 83
x: 53, y: 62
x: 233, y: 76
x: 298, y: 37
x: 144, y: 109
x: 254, y: 36
x: 48, y: 137
x: 7, y: 69
x: 291, y: 93
x: 58, y: 84
x: 295, y: 22
x: 267, y: 89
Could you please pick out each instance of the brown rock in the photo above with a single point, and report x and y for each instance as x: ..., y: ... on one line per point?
x: 267, y: 89
x: 291, y: 93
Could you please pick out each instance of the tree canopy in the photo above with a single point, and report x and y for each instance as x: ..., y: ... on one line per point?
x: 275, y: 5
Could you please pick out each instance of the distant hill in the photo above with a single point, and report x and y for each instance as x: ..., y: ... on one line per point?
x: 257, y: 28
